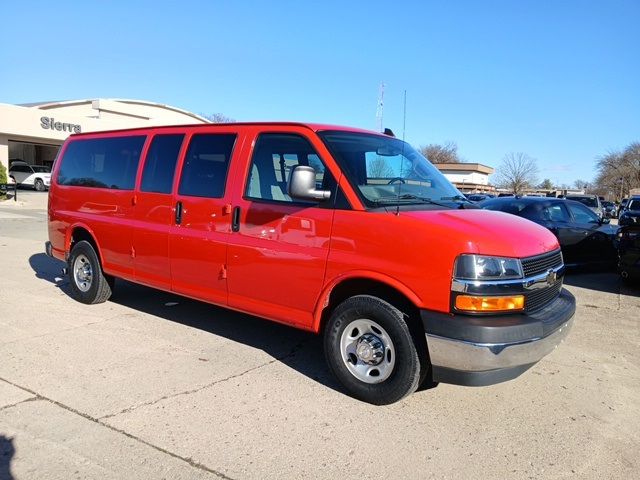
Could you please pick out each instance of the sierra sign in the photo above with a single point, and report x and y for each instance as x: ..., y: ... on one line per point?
x: 49, y: 123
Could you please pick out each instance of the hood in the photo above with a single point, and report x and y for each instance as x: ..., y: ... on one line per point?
x: 608, y: 229
x: 486, y: 232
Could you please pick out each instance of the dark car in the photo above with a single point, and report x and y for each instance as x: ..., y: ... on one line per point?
x: 584, y: 238
x: 610, y: 209
x: 479, y: 197
x: 631, y: 213
x: 623, y: 204
x: 629, y: 252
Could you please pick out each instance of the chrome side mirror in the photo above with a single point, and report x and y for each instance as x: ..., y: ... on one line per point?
x: 302, y: 184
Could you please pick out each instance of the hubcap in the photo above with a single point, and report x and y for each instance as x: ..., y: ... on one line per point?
x: 370, y: 349
x: 367, y: 351
x: 82, y: 273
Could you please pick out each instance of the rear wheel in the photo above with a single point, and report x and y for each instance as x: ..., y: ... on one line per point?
x: 39, y: 185
x: 370, y: 350
x: 88, y: 282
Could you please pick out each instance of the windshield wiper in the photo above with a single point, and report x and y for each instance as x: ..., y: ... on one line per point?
x: 457, y: 197
x: 409, y: 198
x: 466, y: 203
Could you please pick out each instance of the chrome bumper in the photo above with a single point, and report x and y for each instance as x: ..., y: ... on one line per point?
x: 485, y: 350
x: 478, y: 357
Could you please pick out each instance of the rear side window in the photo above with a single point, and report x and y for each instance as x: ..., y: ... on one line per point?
x: 634, y: 204
x: 582, y: 214
x: 204, y: 172
x: 160, y: 165
x: 102, y: 162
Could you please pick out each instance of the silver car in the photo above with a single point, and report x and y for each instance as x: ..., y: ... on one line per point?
x: 591, y: 201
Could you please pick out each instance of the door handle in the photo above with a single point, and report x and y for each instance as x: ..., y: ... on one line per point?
x: 178, y: 213
x: 235, y: 219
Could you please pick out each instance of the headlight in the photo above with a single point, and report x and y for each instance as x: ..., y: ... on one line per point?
x: 482, y: 267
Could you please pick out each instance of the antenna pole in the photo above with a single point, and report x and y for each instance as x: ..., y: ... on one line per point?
x: 404, y: 115
x: 380, y: 108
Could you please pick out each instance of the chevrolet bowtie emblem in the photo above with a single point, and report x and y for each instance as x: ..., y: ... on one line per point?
x: 551, y: 277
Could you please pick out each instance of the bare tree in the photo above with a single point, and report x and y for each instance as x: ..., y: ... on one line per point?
x: 581, y: 185
x: 517, y: 172
x: 619, y: 171
x: 379, y: 168
x: 218, y: 118
x: 447, y: 153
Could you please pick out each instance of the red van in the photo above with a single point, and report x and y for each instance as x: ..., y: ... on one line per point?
x: 339, y: 231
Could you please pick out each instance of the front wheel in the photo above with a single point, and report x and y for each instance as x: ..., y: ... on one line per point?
x: 370, y: 350
x: 88, y: 282
x: 39, y: 185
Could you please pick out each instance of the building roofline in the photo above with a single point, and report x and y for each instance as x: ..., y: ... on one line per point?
x: 477, y: 167
x: 65, y: 103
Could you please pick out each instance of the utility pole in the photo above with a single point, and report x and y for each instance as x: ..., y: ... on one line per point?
x: 380, y: 108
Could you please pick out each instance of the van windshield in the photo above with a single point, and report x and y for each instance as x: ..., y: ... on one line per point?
x: 387, y: 171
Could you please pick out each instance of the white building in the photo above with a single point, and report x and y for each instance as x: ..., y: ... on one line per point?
x: 34, y: 132
x: 468, y: 177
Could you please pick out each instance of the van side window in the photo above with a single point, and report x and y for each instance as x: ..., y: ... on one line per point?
x: 102, y: 162
x: 274, y: 157
x: 204, y: 172
x: 160, y: 164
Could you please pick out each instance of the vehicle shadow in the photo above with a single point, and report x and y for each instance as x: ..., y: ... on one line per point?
x: 49, y: 269
x: 299, y: 350
x: 7, y: 451
x: 608, y: 282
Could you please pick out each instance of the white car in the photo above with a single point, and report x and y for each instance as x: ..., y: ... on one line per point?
x: 36, y: 176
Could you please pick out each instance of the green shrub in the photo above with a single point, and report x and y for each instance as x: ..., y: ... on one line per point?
x: 3, y: 178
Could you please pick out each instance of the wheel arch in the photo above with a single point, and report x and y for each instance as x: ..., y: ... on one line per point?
x: 79, y: 232
x: 368, y: 283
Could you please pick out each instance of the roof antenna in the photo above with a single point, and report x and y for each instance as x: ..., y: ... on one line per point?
x: 380, y: 108
x: 404, y: 127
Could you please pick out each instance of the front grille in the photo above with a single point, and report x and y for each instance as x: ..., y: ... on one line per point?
x: 541, y: 297
x: 541, y: 263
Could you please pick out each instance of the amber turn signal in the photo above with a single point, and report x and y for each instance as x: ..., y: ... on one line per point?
x: 489, y: 304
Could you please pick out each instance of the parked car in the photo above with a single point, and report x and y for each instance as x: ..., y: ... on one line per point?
x: 609, y: 208
x: 585, y: 239
x: 631, y: 213
x: 338, y: 231
x: 623, y: 204
x: 35, y: 176
x: 629, y: 252
x: 590, y: 201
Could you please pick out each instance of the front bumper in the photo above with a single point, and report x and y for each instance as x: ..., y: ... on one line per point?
x: 483, y: 350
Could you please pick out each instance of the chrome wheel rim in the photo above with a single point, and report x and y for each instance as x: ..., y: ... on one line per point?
x: 82, y: 273
x: 367, y: 351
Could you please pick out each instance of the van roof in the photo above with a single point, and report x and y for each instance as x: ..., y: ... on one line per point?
x: 316, y: 127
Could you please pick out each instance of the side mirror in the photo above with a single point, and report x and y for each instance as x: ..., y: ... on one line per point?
x: 302, y: 184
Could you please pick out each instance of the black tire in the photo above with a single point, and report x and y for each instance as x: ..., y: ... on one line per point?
x: 404, y: 376
x: 39, y: 185
x: 96, y: 287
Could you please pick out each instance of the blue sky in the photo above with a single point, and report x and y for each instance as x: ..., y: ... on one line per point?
x: 558, y: 80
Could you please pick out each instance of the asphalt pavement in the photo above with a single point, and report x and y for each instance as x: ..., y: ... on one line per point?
x: 152, y: 385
